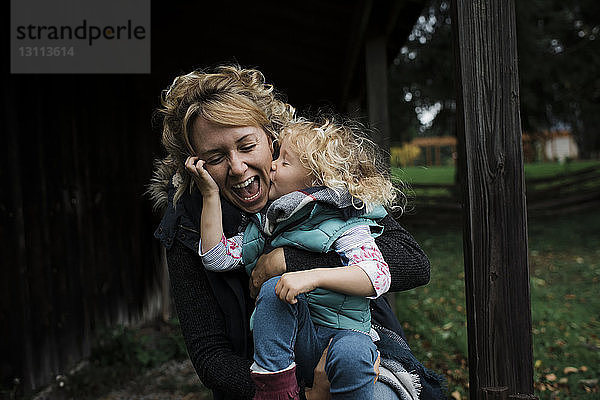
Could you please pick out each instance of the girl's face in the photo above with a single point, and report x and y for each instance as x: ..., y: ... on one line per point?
x: 238, y: 159
x: 287, y: 173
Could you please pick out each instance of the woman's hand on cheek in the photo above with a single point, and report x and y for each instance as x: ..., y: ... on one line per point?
x: 291, y: 284
x: 206, y: 184
x: 268, y: 265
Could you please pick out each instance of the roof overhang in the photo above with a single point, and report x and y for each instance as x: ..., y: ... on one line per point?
x: 313, y: 51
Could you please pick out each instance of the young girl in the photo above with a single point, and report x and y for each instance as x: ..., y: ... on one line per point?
x: 327, y: 194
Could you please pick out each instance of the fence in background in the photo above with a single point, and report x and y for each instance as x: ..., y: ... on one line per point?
x: 559, y: 194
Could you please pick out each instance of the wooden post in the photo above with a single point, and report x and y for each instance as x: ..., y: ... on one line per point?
x: 495, y: 393
x: 495, y: 230
x: 377, y: 98
x: 428, y: 156
x: 377, y: 90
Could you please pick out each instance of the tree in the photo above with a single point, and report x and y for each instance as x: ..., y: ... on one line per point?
x: 559, y: 66
x: 421, y: 79
x: 559, y: 56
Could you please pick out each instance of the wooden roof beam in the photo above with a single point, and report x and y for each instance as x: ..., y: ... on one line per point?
x: 362, y: 15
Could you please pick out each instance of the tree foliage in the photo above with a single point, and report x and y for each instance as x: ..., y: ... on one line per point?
x: 421, y: 78
x: 559, y: 68
x: 559, y: 62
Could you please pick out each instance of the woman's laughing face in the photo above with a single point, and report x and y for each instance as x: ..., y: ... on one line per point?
x: 238, y: 159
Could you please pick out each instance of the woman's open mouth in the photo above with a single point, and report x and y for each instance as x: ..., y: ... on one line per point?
x: 248, y: 190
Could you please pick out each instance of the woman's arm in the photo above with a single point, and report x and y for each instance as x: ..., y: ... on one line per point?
x: 203, y: 326
x: 408, y: 264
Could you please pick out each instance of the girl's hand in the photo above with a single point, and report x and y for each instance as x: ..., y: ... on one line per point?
x: 206, y: 184
x: 291, y: 284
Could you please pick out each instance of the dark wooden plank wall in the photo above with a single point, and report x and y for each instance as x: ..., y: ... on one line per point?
x: 495, y: 234
x: 76, y: 231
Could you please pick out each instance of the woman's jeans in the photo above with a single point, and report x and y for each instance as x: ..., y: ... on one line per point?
x: 284, y: 333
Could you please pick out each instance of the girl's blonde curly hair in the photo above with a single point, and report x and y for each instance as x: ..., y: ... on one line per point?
x: 341, y: 157
x: 226, y: 96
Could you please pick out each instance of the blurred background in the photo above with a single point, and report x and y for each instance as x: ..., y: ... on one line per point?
x: 84, y: 294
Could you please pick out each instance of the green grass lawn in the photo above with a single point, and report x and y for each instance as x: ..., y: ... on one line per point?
x: 411, y: 177
x: 445, y: 175
x: 565, y: 283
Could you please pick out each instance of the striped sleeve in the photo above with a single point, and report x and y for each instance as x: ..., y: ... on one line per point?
x: 357, y: 247
x: 225, y: 255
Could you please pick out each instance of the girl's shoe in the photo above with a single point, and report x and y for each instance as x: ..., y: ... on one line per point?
x: 276, y: 385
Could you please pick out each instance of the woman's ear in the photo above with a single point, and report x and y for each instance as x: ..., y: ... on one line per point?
x: 275, y: 148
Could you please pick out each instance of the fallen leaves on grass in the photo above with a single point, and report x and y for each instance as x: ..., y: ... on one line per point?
x: 589, y: 382
x: 551, y: 377
x: 570, y: 370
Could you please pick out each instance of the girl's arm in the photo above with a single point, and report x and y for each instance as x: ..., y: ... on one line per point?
x: 367, y: 274
x: 217, y: 252
x: 351, y: 280
x: 211, y: 221
x: 225, y: 256
x: 408, y: 264
x: 358, y: 247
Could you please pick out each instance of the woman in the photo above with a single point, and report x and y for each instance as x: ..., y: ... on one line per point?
x: 229, y: 117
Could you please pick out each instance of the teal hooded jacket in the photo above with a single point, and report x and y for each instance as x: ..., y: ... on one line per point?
x: 315, y: 226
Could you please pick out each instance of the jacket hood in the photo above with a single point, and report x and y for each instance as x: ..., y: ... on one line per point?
x: 287, y: 205
x: 164, y: 178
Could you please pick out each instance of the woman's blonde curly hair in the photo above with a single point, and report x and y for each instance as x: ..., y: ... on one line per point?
x: 341, y: 157
x: 226, y: 96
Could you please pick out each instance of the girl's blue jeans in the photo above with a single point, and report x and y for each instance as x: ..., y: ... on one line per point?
x: 284, y: 333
